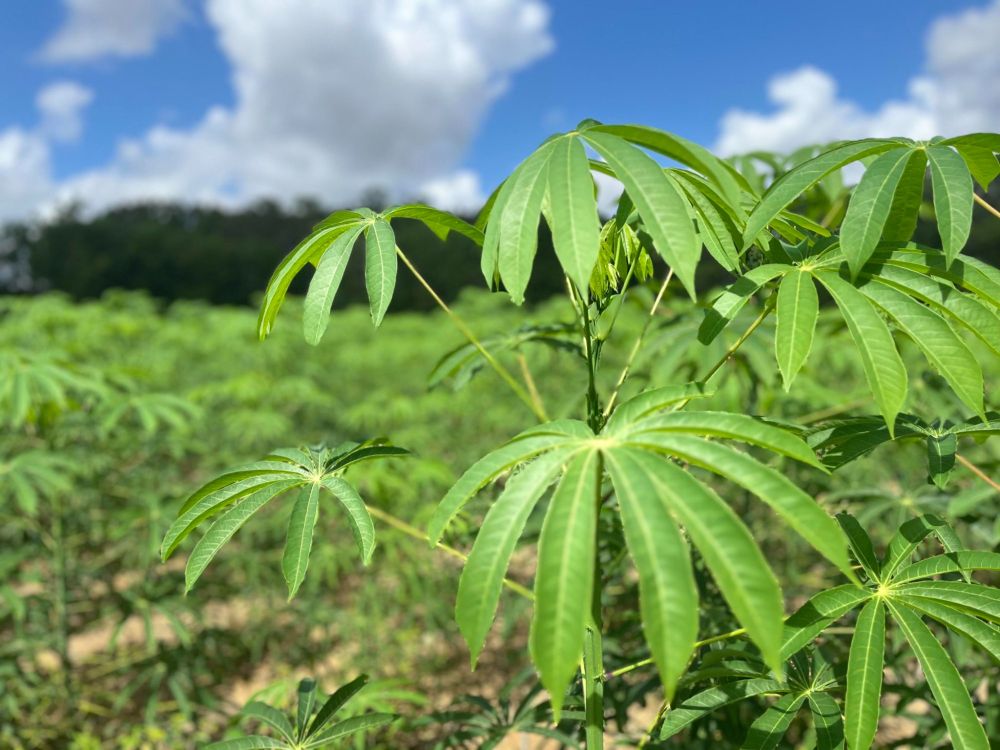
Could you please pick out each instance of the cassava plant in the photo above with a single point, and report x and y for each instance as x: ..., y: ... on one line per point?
x: 654, y: 468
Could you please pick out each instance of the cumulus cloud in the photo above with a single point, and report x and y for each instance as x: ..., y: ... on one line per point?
x: 95, y: 29
x: 957, y: 93
x: 61, y: 105
x: 25, y: 172
x: 333, y: 99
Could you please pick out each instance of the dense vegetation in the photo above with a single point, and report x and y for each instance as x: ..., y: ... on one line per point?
x: 864, y: 354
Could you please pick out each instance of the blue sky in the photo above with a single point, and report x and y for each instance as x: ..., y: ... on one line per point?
x: 228, y: 101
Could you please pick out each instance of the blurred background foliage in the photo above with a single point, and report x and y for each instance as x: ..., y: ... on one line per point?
x: 115, y: 404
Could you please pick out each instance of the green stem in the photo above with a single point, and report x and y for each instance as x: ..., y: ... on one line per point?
x: 637, y: 345
x: 593, y: 656
x: 985, y: 205
x: 416, y: 533
x: 730, y: 351
x: 536, y: 408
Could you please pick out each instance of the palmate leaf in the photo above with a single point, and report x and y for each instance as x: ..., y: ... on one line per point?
x: 482, y: 576
x: 768, y: 729
x: 309, y: 731
x: 882, y: 364
x: 870, y: 205
x: 952, y: 186
x: 797, y: 311
x: 329, y: 248
x: 238, y: 494
x: 655, y: 498
x: 790, y: 186
x: 659, y: 201
x: 564, y: 579
x: 701, y: 704
x: 827, y: 721
x: 739, y: 568
x: 944, y: 680
x: 668, y: 595
x: 864, y: 676
x: 573, y: 210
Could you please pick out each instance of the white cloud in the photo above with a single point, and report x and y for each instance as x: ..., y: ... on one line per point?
x: 459, y: 192
x: 957, y: 93
x: 61, y: 105
x: 24, y: 172
x: 332, y: 99
x: 95, y: 29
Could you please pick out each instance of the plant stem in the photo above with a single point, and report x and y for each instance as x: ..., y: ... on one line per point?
x: 698, y: 644
x: 416, y: 533
x: 977, y: 471
x: 529, y: 381
x: 637, y: 345
x: 593, y: 656
x: 986, y: 205
x: 460, y: 324
x: 729, y: 352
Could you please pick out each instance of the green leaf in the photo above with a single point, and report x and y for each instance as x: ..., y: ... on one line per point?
x: 980, y: 278
x: 817, y: 614
x: 797, y: 310
x: 575, y: 225
x: 361, y: 521
x: 979, y: 633
x: 324, y: 285
x: 335, y: 702
x: 248, y: 743
x: 224, y: 529
x: 661, y: 206
x: 298, y: 545
x: 348, y: 727
x: 564, y: 577
x: 720, y: 424
x: 684, y: 151
x: 934, y: 337
x: 715, y: 228
x: 979, y: 151
x: 951, y: 562
x: 791, y: 185
x: 870, y: 204
x: 905, y: 541
x: 734, y: 298
x: 768, y: 729
x: 517, y: 240
x: 941, y: 451
x: 982, y: 601
x: 294, y: 262
x: 380, y: 267
x: 952, y: 186
x: 827, y: 721
x: 728, y: 549
x: 482, y: 576
x: 797, y: 508
x: 651, y: 401
x: 864, y: 676
x: 213, y: 503
x: 668, y: 596
x: 306, y: 699
x: 270, y: 716
x: 486, y: 469
x: 439, y: 222
x: 701, y: 704
x: 944, y: 680
x: 861, y: 545
x: 958, y: 307
x: 905, y: 210
x: 882, y: 364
